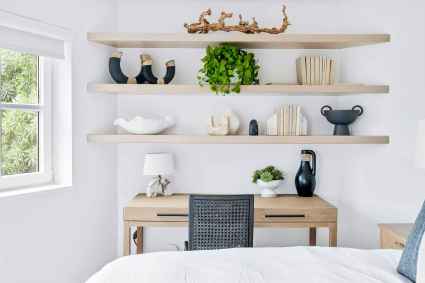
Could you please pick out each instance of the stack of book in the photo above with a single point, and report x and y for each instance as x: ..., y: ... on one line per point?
x: 288, y: 120
x: 315, y: 70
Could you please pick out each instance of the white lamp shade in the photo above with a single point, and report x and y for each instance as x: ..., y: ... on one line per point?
x: 420, y: 145
x: 158, y: 164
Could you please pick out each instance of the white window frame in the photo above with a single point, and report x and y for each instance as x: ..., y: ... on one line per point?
x: 45, y: 174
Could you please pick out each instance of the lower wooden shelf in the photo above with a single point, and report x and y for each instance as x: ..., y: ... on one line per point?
x: 205, y: 139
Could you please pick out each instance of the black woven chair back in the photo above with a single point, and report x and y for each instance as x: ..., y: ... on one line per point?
x: 220, y: 221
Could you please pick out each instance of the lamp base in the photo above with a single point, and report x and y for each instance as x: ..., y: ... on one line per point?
x: 158, y: 186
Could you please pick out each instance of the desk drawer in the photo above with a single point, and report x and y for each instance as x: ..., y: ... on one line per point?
x: 156, y: 214
x: 302, y: 215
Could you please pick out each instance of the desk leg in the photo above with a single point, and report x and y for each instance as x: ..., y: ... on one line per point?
x: 313, y: 234
x: 139, y: 243
x: 333, y: 234
x: 126, y: 238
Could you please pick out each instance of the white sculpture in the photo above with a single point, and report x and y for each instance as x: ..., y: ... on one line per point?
x: 229, y: 125
x: 145, y: 126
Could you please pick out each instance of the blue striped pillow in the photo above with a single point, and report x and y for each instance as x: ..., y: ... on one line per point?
x: 409, y: 259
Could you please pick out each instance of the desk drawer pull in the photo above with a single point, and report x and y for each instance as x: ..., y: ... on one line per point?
x: 398, y: 244
x: 171, y: 214
x: 285, y: 216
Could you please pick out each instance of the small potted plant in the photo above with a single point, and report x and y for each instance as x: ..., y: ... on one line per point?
x: 268, y: 179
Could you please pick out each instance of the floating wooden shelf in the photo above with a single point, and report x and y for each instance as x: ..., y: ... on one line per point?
x: 257, y: 41
x: 205, y: 139
x: 275, y: 89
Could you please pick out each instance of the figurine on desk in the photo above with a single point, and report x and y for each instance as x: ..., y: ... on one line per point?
x: 158, y: 165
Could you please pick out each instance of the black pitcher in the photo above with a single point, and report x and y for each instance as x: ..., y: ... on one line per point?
x: 305, y: 180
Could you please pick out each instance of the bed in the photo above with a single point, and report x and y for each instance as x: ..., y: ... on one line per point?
x: 256, y: 265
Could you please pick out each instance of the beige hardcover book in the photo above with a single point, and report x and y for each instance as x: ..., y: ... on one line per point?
x: 298, y: 69
x: 317, y: 69
x: 298, y: 121
x: 332, y: 72
x: 282, y: 119
x: 291, y: 119
x: 327, y: 71
x: 308, y: 71
x: 286, y: 120
x: 322, y: 70
x: 303, y: 70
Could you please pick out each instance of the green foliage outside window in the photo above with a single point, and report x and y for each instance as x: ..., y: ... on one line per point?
x: 19, y: 129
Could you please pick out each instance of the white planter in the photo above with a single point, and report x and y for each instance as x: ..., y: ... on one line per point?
x: 268, y: 188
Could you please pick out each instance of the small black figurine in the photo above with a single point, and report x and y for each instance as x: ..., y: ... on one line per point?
x: 253, y: 128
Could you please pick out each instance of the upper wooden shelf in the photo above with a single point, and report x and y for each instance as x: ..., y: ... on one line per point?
x: 254, y: 41
x: 205, y: 139
x: 275, y: 89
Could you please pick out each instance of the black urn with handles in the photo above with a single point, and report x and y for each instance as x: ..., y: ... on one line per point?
x: 341, y: 118
x: 305, y: 179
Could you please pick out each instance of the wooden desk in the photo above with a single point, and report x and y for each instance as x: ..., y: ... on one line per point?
x: 394, y: 235
x: 289, y: 211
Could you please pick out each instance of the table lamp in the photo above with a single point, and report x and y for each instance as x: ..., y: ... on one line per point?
x: 420, y: 145
x: 158, y: 165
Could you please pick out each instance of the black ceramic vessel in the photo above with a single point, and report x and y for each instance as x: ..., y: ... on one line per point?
x: 341, y: 118
x: 253, y: 128
x: 305, y: 179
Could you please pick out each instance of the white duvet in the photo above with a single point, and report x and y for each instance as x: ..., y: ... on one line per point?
x: 256, y: 265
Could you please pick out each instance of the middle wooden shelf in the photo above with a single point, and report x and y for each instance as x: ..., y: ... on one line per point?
x: 238, y: 139
x: 262, y: 90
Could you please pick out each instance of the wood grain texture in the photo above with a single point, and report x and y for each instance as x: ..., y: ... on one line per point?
x: 394, y: 235
x: 247, y: 90
x: 205, y: 139
x: 284, y: 211
x: 254, y: 41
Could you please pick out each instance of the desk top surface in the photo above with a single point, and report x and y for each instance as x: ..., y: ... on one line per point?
x: 281, y: 201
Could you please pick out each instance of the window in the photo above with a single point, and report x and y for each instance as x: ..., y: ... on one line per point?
x: 25, y: 124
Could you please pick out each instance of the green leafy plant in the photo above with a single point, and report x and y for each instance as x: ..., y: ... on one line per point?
x: 267, y: 174
x: 226, y: 67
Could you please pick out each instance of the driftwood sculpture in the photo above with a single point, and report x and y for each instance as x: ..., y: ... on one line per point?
x: 145, y: 75
x: 204, y: 26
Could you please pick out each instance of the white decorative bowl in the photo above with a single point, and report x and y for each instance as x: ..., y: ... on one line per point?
x: 268, y: 188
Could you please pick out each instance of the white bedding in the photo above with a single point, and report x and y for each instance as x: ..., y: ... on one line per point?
x: 256, y: 265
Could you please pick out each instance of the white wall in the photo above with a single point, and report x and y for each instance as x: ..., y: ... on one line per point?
x: 369, y: 184
x: 64, y: 236
x: 54, y: 236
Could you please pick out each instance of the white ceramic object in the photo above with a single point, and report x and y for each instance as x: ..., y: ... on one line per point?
x: 145, y: 126
x: 268, y: 188
x: 218, y: 129
x: 234, y: 122
x: 229, y: 124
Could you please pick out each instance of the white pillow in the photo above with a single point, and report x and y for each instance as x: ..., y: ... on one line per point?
x: 420, y: 273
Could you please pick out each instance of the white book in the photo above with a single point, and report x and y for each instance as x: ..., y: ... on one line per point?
x: 332, y: 72
x: 285, y: 120
x: 282, y: 121
x: 317, y: 69
x: 303, y: 70
x: 327, y: 71
x: 308, y: 69
x: 294, y: 120
x: 298, y: 122
x: 290, y: 120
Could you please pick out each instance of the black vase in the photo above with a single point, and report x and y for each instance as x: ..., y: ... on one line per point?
x: 305, y: 179
x: 253, y: 128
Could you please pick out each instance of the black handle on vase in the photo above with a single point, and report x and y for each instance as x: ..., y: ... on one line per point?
x: 358, y: 108
x: 325, y: 109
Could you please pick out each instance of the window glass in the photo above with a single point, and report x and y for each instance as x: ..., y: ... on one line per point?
x: 18, y: 77
x: 19, y: 142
